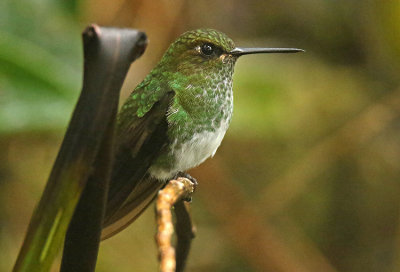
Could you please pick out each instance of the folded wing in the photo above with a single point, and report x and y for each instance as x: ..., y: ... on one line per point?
x: 139, y: 141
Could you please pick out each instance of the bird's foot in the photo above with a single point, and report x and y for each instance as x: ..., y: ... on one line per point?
x: 186, y: 175
x: 189, y: 177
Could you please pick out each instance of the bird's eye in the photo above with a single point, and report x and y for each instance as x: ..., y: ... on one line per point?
x: 207, y: 49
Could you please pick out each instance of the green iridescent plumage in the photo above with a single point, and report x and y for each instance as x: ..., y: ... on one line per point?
x: 203, y: 86
x: 174, y: 120
x: 181, y: 65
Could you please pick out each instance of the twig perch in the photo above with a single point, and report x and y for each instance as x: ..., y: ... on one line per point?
x: 174, y: 193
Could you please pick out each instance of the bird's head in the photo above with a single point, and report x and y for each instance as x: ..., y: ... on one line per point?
x: 208, y: 52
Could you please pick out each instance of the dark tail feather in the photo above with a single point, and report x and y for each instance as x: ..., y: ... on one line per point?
x: 137, y: 202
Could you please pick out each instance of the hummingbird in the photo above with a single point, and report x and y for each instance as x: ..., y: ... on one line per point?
x: 174, y: 120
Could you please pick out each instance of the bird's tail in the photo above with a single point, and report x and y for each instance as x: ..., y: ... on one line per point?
x: 136, y: 203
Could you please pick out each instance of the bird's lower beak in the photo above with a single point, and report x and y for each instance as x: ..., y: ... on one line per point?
x: 239, y: 51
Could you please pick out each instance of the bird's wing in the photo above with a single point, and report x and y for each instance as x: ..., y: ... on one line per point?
x: 139, y: 141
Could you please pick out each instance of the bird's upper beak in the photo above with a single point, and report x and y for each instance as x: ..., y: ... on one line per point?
x: 239, y: 51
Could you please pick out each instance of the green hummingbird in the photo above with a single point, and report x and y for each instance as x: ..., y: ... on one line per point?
x: 174, y: 120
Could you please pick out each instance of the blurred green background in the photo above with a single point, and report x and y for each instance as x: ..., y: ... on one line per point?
x: 308, y: 176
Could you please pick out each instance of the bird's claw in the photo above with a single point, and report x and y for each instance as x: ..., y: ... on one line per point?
x: 189, y: 177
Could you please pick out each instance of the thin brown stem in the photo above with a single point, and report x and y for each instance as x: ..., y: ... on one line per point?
x: 173, y: 192
x: 185, y: 232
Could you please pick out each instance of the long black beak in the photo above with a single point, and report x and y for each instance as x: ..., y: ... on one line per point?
x: 238, y: 51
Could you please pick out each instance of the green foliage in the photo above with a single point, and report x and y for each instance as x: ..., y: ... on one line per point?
x: 40, y: 66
